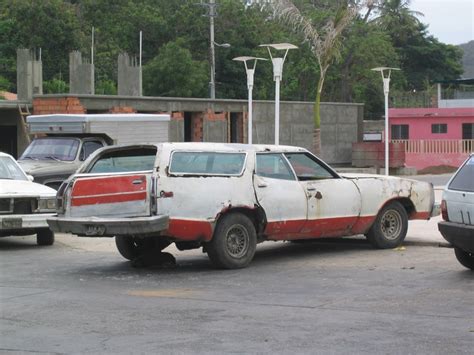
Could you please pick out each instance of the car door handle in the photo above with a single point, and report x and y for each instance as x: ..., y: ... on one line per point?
x: 262, y: 185
x: 137, y: 182
x: 311, y: 188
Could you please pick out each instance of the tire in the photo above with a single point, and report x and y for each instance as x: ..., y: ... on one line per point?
x: 465, y: 258
x: 234, y: 242
x: 44, y: 237
x: 130, y: 248
x: 390, y: 227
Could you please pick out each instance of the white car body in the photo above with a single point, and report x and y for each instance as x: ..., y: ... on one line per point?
x: 287, y: 192
x: 24, y: 205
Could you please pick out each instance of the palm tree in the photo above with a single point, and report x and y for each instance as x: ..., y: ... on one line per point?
x: 325, y: 43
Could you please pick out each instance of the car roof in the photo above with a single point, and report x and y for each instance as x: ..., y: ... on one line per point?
x: 231, y: 147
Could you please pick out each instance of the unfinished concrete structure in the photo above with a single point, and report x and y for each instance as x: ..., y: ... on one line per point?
x: 129, y: 76
x: 29, y: 74
x: 199, y: 120
x: 81, y: 74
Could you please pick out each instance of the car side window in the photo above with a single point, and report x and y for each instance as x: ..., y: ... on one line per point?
x: 89, y: 147
x: 273, y: 166
x: 308, y: 168
x: 207, y: 163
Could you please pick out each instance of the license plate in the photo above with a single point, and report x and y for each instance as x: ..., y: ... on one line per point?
x: 95, y: 230
x: 12, y: 223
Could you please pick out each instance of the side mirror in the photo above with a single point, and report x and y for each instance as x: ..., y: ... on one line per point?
x: 30, y: 177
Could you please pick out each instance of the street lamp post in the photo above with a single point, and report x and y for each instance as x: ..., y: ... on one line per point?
x: 212, y: 83
x: 277, y: 76
x: 250, y: 76
x: 212, y: 6
x: 386, y: 89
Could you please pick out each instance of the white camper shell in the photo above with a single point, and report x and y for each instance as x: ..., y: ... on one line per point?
x: 64, y: 141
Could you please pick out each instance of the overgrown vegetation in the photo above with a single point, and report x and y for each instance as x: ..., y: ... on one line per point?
x: 176, y: 47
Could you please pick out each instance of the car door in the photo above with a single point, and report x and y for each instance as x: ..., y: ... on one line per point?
x: 333, y: 203
x: 280, y: 195
x: 116, y: 195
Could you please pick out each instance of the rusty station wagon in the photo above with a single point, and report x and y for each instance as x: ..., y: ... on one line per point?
x: 227, y: 198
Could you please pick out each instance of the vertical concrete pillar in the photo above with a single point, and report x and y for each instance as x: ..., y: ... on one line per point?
x: 129, y: 76
x: 29, y: 74
x: 81, y: 74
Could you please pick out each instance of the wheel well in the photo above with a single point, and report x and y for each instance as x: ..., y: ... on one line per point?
x: 407, y: 205
x: 256, y: 215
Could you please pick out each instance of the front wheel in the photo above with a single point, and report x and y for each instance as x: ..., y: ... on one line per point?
x: 234, y: 242
x: 465, y: 258
x: 45, y: 237
x: 390, y: 227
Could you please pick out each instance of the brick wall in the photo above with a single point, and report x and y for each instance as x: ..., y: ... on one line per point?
x: 122, y: 109
x: 197, y: 127
x: 50, y: 105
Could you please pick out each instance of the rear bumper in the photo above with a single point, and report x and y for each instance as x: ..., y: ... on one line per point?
x: 459, y: 235
x: 109, y: 227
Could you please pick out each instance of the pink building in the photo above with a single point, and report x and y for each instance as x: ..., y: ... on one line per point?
x: 433, y: 136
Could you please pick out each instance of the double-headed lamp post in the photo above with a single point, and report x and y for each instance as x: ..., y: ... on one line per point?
x: 250, y: 76
x: 277, y: 75
x: 386, y: 89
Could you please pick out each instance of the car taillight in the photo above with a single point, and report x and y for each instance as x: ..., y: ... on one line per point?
x: 444, y: 210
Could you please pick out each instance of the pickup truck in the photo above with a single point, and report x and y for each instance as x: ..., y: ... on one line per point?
x: 227, y: 198
x: 65, y: 141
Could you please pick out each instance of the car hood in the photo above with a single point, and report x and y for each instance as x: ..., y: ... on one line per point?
x: 24, y: 188
x: 42, y: 167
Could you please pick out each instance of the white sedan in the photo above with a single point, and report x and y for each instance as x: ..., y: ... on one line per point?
x: 24, y: 205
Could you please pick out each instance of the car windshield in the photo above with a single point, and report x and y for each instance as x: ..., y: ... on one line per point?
x: 62, y: 149
x: 464, y: 179
x: 10, y: 170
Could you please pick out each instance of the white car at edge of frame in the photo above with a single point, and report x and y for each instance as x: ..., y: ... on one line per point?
x: 24, y: 205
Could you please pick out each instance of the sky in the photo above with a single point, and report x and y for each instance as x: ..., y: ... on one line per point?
x: 450, y: 21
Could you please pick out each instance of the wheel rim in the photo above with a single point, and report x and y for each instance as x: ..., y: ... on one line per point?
x: 237, y: 241
x: 391, y: 224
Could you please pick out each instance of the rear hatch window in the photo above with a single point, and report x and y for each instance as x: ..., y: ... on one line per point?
x: 464, y: 178
x: 125, y: 160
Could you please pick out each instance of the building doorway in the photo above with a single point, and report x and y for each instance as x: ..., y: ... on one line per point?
x: 236, y: 127
x: 8, y: 140
x: 193, y: 122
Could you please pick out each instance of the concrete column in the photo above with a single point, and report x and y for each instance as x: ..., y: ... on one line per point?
x: 81, y: 74
x: 129, y: 76
x: 29, y: 74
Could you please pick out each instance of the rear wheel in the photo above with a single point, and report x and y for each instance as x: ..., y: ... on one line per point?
x: 465, y: 258
x: 234, y: 242
x: 45, y: 237
x: 390, y: 227
x: 131, y: 248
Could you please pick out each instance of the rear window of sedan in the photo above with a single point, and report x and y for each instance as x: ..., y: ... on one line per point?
x: 207, y: 163
x: 464, y: 179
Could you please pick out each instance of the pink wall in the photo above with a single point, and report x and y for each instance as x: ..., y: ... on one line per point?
x: 422, y: 161
x: 421, y: 119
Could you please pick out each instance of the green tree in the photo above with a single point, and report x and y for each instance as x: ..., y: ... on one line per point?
x: 173, y: 72
x: 51, y: 25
